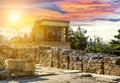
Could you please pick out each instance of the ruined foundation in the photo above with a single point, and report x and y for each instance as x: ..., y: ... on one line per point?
x: 21, y: 61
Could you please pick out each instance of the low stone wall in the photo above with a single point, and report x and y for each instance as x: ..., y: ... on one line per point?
x: 63, y: 58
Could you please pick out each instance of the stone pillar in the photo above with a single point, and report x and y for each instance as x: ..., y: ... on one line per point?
x: 62, y: 34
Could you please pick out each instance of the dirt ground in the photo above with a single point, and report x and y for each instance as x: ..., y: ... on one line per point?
x: 54, y: 75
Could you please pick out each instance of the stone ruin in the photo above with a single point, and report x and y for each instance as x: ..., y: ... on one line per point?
x: 18, y: 61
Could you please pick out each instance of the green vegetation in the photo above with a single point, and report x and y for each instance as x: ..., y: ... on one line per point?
x: 78, y: 39
x: 97, y: 46
x: 115, y: 44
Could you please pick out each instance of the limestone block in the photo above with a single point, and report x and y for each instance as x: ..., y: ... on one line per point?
x: 19, y: 67
x: 48, y: 58
x: 64, y: 61
x: 112, y: 69
x: 74, y: 58
x: 72, y: 62
x: 79, y: 66
x: 29, y: 65
x: 93, y: 66
x: 85, y: 66
x: 100, y: 71
x: 112, y: 60
x: 2, y: 60
x: 15, y: 65
x: 107, y: 72
x: 45, y: 58
x: 108, y: 66
x: 6, y: 51
x: 55, y: 58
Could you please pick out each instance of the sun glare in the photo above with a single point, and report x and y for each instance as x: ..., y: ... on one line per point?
x: 14, y: 17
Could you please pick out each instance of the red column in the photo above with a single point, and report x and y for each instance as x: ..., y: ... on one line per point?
x: 66, y: 33
x: 45, y: 33
x: 56, y: 34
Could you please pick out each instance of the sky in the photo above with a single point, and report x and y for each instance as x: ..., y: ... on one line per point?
x: 98, y: 17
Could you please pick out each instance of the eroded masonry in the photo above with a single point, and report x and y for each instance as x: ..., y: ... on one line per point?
x: 16, y: 61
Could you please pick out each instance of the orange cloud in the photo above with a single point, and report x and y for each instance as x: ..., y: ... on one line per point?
x: 76, y: 10
x: 84, y: 9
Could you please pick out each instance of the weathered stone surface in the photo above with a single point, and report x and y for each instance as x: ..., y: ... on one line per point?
x: 72, y: 62
x: 45, y: 58
x: 55, y: 58
x: 86, y: 75
x: 59, y: 58
x: 3, y: 75
x: 112, y: 60
x: 112, y: 65
x: 7, y: 51
x: 79, y: 66
x: 93, y: 66
x: 29, y: 67
x: 15, y: 65
x: 112, y: 69
x: 64, y: 60
x: 2, y: 60
x: 19, y: 67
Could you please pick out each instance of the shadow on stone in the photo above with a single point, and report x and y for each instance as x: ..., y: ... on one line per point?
x: 86, y: 75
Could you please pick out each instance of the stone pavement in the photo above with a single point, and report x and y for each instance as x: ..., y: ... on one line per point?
x: 55, y: 75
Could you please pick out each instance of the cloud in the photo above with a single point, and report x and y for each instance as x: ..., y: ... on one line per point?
x: 117, y: 10
x: 115, y: 3
x: 67, y: 9
x: 82, y: 9
x: 51, y: 6
x: 113, y: 17
x: 23, y: 2
x: 36, y: 4
x: 103, y: 19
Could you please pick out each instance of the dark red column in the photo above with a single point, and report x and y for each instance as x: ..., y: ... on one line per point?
x: 66, y: 33
x: 45, y: 33
x: 56, y: 34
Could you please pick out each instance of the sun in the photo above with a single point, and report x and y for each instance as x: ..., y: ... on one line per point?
x: 15, y: 17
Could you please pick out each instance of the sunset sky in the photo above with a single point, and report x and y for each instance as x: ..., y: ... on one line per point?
x: 98, y: 17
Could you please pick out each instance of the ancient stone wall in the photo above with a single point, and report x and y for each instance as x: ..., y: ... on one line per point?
x: 63, y: 58
x: 112, y: 65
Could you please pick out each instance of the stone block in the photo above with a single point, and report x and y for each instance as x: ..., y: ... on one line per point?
x: 79, y: 66
x: 93, y: 66
x: 112, y: 60
x: 2, y: 60
x: 45, y: 58
x: 15, y: 65
x: 19, y: 67
x: 29, y: 66
x: 72, y: 62
x: 64, y: 61
x: 112, y: 69
x: 55, y: 58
